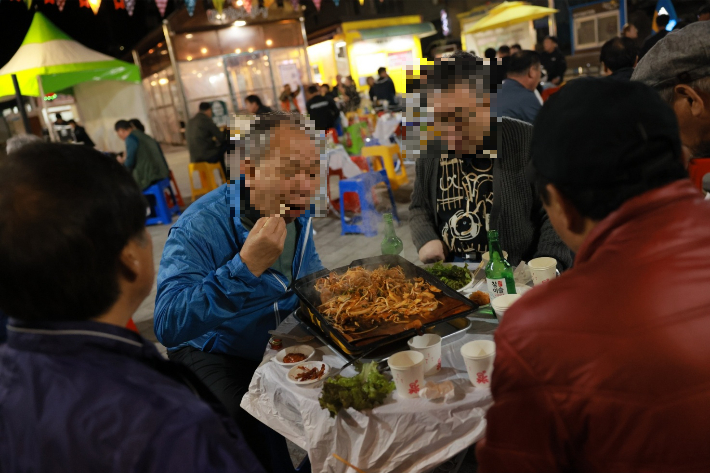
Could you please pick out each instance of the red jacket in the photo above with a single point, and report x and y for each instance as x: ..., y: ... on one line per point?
x: 607, y: 368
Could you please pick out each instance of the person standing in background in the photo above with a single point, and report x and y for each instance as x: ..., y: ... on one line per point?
x: 661, y: 23
x: 553, y: 61
x: 385, y: 87
x: 321, y: 110
x: 205, y: 141
x: 618, y: 58
x: 80, y: 134
x: 288, y: 99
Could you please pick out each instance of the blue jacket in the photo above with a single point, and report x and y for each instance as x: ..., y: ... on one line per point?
x: 92, y: 397
x: 207, y: 298
x: 515, y: 101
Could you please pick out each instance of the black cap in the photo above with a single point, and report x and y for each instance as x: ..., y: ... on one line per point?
x: 600, y: 132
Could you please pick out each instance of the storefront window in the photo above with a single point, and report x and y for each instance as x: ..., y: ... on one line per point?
x: 289, y: 67
x: 164, y: 107
x: 251, y: 75
x: 594, y: 30
x: 205, y: 80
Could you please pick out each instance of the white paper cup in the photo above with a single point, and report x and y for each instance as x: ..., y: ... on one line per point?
x: 408, y: 372
x: 428, y: 345
x: 478, y: 356
x: 543, y: 269
x: 502, y: 303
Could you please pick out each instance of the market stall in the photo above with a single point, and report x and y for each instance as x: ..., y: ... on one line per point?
x: 506, y: 23
x: 105, y: 88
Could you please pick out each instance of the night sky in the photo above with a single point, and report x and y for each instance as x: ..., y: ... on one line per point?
x: 105, y: 32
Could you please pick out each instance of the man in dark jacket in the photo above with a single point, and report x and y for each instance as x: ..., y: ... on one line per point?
x: 80, y: 134
x: 205, y: 141
x: 618, y: 58
x: 227, y: 267
x: 143, y: 158
x: 472, y: 179
x: 661, y: 23
x: 384, y: 87
x: 553, y: 61
x: 321, y: 110
x: 516, y: 97
x: 78, y: 391
x: 581, y: 375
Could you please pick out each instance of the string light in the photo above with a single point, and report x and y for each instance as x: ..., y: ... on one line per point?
x: 269, y: 42
x: 188, y: 36
x: 189, y: 58
x: 203, y: 50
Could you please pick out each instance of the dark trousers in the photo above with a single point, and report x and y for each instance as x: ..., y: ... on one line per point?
x: 228, y: 378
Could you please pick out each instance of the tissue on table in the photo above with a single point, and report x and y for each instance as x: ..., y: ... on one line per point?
x: 433, y: 391
x: 522, y: 274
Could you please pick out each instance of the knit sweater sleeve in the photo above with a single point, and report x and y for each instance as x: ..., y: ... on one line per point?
x: 421, y: 218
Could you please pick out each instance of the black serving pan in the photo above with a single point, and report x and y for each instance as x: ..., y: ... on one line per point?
x: 454, y: 305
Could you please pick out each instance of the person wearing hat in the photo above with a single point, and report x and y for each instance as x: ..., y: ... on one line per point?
x: 553, y: 61
x: 679, y: 69
x: 604, y: 368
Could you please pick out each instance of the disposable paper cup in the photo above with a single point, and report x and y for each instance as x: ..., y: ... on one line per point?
x: 543, y: 269
x: 502, y: 303
x: 478, y: 356
x: 408, y: 372
x: 428, y: 345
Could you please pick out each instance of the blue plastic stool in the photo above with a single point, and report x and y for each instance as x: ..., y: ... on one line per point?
x: 362, y: 185
x: 163, y: 213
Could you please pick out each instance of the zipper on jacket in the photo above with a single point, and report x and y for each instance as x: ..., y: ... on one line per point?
x: 276, y: 313
x: 303, y: 248
x: 276, y: 276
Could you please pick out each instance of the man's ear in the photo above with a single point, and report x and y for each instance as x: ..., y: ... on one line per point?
x: 566, y: 214
x: 690, y: 99
x: 129, y: 261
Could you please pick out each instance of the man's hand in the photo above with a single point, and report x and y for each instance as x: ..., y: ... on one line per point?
x: 432, y: 252
x: 264, y: 244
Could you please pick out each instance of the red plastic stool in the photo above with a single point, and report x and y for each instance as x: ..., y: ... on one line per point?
x: 178, y: 197
x: 334, y: 133
x: 362, y: 163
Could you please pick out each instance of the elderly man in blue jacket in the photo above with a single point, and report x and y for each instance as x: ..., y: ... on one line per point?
x: 224, y: 280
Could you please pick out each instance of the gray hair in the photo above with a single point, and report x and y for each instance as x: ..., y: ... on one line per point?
x: 667, y: 93
x: 257, y: 140
x: 20, y: 141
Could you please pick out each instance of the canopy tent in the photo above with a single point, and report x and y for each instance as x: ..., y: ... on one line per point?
x: 509, y: 13
x: 50, y: 61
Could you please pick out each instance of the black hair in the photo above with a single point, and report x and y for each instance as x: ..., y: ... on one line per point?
x: 598, y: 202
x: 69, y: 122
x: 451, y: 70
x: 66, y: 214
x: 123, y: 125
x: 662, y: 21
x: 619, y: 52
x: 552, y: 38
x: 522, y: 61
x: 381, y: 70
x: 326, y: 86
x: 58, y: 116
x: 704, y: 9
x: 137, y: 124
x: 204, y: 106
x: 490, y: 53
x: 313, y: 89
x: 254, y: 99
x: 505, y: 49
x: 517, y: 46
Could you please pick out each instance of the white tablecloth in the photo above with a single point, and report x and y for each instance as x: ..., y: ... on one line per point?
x: 402, y: 435
x: 338, y: 159
x: 386, y: 126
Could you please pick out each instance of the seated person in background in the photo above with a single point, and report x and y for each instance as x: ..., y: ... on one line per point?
x: 78, y: 391
x: 143, y: 158
x: 618, y: 58
x: 516, y: 97
x: 205, y: 141
x: 254, y: 105
x: 80, y: 134
x: 465, y: 182
x: 321, y: 110
x: 59, y: 120
x: 228, y: 263
x: 553, y: 61
x: 137, y: 124
x: 580, y: 360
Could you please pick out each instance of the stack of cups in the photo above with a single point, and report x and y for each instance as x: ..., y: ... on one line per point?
x: 543, y: 269
x: 502, y: 303
x: 428, y: 345
x: 408, y: 372
x: 479, y: 356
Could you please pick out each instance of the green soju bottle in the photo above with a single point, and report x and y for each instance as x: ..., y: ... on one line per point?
x: 391, y: 244
x: 499, y: 273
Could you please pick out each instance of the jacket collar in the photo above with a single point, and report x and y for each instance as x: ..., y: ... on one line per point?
x: 632, y: 212
x: 77, y: 337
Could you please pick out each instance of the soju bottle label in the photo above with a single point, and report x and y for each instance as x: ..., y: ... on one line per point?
x: 497, y: 287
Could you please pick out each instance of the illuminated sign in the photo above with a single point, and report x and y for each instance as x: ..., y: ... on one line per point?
x: 445, y: 23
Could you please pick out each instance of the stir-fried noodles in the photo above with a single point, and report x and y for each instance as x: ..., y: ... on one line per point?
x: 360, y: 301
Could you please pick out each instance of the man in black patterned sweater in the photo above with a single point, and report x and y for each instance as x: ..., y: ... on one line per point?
x: 471, y: 176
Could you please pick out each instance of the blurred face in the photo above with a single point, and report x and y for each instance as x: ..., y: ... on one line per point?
x: 549, y: 45
x: 123, y: 134
x: 324, y: 90
x: 514, y: 50
x: 383, y: 74
x: 633, y: 33
x: 252, y: 107
x: 287, y: 88
x: 461, y: 117
x: 287, y: 177
x: 370, y: 81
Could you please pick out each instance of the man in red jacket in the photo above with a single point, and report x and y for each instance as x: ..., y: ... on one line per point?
x: 605, y: 369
